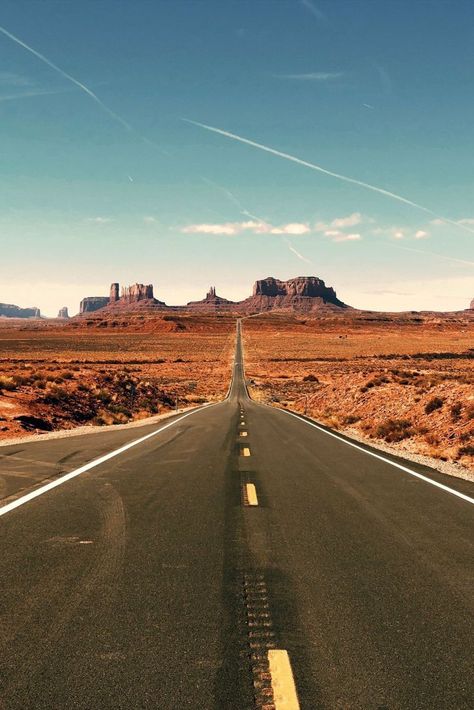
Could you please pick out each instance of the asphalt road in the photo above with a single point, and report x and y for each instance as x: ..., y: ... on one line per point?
x: 147, y: 581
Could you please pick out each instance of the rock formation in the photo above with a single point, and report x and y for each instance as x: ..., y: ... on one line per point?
x: 472, y: 305
x: 8, y: 310
x: 135, y: 293
x: 212, y: 302
x: 114, y: 293
x: 63, y: 313
x: 92, y: 303
x: 304, y: 293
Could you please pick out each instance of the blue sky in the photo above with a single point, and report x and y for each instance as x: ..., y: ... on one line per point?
x: 122, y: 189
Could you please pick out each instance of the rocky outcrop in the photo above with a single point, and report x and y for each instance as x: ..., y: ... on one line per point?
x: 472, y: 305
x: 135, y: 293
x: 63, y: 312
x: 8, y: 310
x: 212, y: 302
x: 114, y: 293
x: 304, y: 293
x: 93, y: 303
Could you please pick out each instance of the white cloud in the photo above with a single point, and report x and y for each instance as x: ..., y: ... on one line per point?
x: 421, y: 234
x: 467, y: 220
x: 232, y: 228
x: 150, y: 220
x: 294, y: 228
x: 99, y: 220
x: 398, y: 233
x: 227, y: 228
x: 350, y: 221
x: 436, y: 222
x: 347, y: 237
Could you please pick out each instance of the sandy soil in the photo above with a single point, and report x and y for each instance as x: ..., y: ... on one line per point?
x: 57, y: 376
x: 402, y: 383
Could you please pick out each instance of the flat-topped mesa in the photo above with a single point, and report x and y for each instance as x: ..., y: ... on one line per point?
x: 63, y: 313
x: 136, y: 292
x: 303, y: 293
x: 89, y: 304
x: 9, y: 310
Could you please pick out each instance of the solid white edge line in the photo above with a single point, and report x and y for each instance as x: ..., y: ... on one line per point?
x: 283, y: 684
x: 463, y: 496
x: 92, y: 464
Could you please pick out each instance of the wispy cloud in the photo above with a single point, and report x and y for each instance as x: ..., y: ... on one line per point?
x: 32, y: 93
x: 297, y: 253
x: 235, y: 201
x: 343, y: 237
x: 421, y: 234
x: 252, y: 226
x: 320, y: 169
x: 99, y: 220
x: 312, y: 76
x: 8, y: 78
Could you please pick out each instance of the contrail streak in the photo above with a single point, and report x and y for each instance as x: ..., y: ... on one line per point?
x: 81, y: 86
x: 233, y: 199
x: 300, y: 256
x: 320, y: 169
x: 67, y: 76
x: 440, y: 256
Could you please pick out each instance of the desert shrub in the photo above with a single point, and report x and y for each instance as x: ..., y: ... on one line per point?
x: 456, y: 410
x: 56, y: 395
x: 351, y: 419
x: 466, y: 450
x: 67, y: 375
x: 466, y: 435
x: 470, y: 412
x: 7, y: 384
x: 394, y: 430
x: 310, y: 378
x: 433, y: 404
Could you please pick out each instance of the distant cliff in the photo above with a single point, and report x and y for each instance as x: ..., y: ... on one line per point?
x: 8, y: 310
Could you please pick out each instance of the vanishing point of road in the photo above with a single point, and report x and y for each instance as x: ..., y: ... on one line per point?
x: 236, y: 556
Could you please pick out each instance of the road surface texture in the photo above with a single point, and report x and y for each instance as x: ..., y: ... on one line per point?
x: 171, y: 574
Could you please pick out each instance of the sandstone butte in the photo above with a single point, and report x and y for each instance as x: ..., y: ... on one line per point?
x: 304, y: 293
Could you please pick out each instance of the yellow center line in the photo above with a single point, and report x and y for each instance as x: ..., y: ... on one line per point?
x: 283, y: 683
x: 245, y: 451
x: 251, y: 494
x: 243, y: 433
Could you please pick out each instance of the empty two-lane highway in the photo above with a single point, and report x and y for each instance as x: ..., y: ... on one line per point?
x: 236, y: 557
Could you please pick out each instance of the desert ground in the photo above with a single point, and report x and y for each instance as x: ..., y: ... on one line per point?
x: 405, y: 381
x: 98, y: 371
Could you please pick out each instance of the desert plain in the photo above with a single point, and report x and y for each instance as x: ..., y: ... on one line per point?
x: 401, y: 381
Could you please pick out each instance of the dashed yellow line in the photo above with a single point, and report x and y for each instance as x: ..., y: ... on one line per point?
x: 243, y: 433
x: 283, y: 683
x: 245, y: 451
x: 251, y: 494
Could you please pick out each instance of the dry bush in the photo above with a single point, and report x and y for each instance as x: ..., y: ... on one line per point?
x: 433, y: 404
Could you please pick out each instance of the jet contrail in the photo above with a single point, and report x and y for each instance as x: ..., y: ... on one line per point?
x: 318, y: 168
x: 81, y: 86
x: 439, y: 256
x: 233, y: 199
x: 300, y: 256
